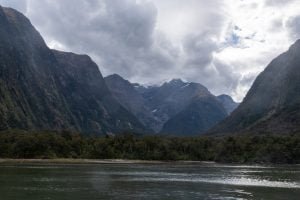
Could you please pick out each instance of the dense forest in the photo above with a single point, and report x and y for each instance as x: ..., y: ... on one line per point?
x: 229, y: 149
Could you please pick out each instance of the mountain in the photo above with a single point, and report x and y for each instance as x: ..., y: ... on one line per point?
x: 176, y: 107
x: 200, y: 115
x: 228, y: 103
x: 44, y: 89
x: 170, y: 98
x: 132, y: 100
x: 273, y: 103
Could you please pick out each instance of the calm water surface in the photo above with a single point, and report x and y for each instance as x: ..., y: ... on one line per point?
x: 148, y: 181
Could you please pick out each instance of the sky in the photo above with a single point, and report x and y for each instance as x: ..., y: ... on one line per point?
x: 222, y: 44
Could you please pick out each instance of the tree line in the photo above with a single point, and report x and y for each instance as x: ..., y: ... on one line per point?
x: 228, y: 149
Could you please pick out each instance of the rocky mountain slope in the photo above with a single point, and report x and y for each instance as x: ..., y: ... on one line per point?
x: 43, y: 89
x: 175, y: 108
x: 273, y: 103
x: 132, y: 100
x: 200, y: 115
x: 170, y: 98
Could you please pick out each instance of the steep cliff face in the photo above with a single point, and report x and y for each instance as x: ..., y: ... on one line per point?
x: 88, y: 98
x: 273, y: 103
x: 46, y: 89
x: 127, y: 95
x: 28, y: 88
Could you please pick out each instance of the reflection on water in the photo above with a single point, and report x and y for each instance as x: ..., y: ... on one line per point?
x: 160, y: 181
x: 228, y: 181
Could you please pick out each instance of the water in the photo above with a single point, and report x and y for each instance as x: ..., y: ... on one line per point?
x: 148, y: 181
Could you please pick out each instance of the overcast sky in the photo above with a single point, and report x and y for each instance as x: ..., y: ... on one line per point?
x: 222, y: 44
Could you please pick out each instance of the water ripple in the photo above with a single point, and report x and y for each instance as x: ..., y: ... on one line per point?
x: 229, y: 181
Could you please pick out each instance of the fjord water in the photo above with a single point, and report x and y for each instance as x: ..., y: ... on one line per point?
x: 148, y: 181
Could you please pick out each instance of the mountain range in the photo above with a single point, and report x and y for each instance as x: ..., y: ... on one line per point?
x: 174, y: 108
x: 46, y: 89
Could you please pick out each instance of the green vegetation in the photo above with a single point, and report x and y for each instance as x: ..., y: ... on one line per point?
x: 232, y: 149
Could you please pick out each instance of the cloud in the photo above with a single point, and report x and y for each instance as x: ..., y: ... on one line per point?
x: 119, y: 34
x: 20, y: 5
x: 293, y: 25
x: 221, y: 44
x: 278, y: 2
x: 130, y: 38
x: 199, y: 50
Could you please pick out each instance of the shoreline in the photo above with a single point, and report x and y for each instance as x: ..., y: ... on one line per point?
x: 94, y: 161
x: 72, y: 161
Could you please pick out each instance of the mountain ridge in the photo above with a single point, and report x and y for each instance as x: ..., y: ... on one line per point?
x: 47, y: 89
x: 165, y: 103
x: 37, y: 84
x: 272, y: 104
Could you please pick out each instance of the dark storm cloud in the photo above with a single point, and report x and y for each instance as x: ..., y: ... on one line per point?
x: 118, y: 34
x: 199, y: 50
x: 121, y: 36
x: 150, y: 41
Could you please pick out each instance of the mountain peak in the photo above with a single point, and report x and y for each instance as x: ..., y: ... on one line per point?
x: 175, y: 81
x: 15, y: 17
x: 115, y: 76
x: 117, y: 79
x: 225, y: 97
x: 17, y: 30
x: 82, y: 58
x: 228, y: 103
